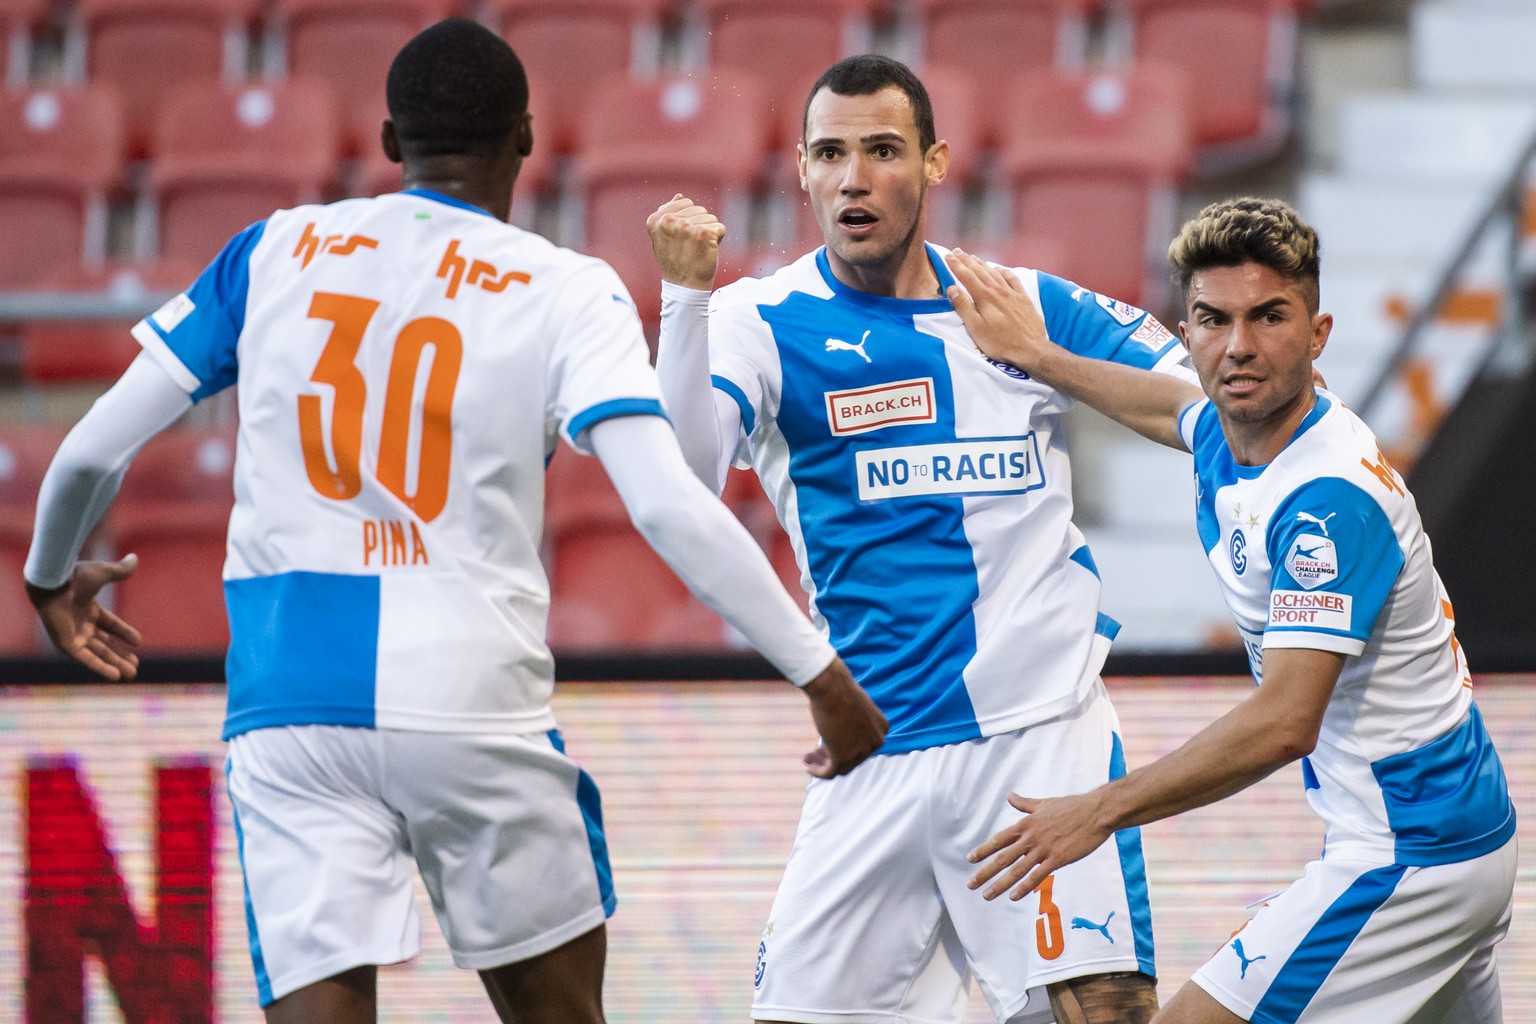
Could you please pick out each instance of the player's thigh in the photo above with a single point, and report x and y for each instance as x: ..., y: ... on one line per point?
x: 1354, y: 940
x: 327, y: 877
x: 1089, y: 918
x: 508, y: 834
x: 857, y: 926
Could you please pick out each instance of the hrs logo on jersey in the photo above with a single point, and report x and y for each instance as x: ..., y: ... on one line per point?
x: 1312, y: 561
x: 1002, y: 465
x: 900, y: 402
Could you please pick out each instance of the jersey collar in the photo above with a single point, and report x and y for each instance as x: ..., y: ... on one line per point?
x: 447, y: 200
x: 901, y: 306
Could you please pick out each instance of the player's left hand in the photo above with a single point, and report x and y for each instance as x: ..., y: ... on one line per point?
x: 1052, y: 834
x: 79, y: 626
x: 1001, y: 318
x: 851, y: 726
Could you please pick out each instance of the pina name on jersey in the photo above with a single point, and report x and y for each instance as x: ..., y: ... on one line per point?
x: 393, y: 542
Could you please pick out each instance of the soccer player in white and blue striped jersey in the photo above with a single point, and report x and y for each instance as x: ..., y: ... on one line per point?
x: 927, y: 493
x: 1319, y: 552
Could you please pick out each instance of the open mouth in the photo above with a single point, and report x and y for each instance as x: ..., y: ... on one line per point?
x: 1241, y: 383
x: 857, y: 219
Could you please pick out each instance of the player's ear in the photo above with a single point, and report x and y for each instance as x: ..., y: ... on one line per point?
x: 1322, y: 327
x: 525, y: 135
x: 389, y: 141
x: 936, y: 162
x: 800, y: 159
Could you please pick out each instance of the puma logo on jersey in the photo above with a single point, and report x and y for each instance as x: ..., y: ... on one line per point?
x: 456, y: 270
x: 1322, y: 524
x: 839, y: 345
x: 1244, y: 959
x: 311, y: 245
x: 1103, y: 929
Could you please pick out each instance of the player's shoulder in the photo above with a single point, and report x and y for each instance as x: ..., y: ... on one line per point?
x: 749, y: 292
x: 1332, y: 439
x: 1335, y: 451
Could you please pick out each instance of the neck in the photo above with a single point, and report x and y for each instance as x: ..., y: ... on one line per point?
x: 478, y: 182
x: 905, y: 275
x: 1259, y: 442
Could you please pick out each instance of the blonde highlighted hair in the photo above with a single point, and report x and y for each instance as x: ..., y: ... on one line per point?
x: 1247, y: 230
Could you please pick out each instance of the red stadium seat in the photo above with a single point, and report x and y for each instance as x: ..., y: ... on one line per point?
x: 1095, y: 160
x: 787, y: 44
x: 610, y: 590
x: 643, y: 142
x: 350, y: 44
x: 148, y: 47
x: 25, y: 451
x: 570, y: 46
x: 68, y: 352
x: 61, y: 157
x: 18, y: 18
x: 1245, y: 78
x: 173, y: 511
x: 993, y: 39
x: 227, y: 156
x: 1037, y: 252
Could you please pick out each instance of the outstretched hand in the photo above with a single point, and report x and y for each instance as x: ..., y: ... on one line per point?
x: 685, y: 238
x: 79, y: 626
x: 851, y: 726
x: 1052, y: 834
x: 1001, y: 318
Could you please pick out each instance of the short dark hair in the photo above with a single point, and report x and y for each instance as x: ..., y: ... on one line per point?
x: 868, y: 73
x: 1248, y: 230
x: 456, y: 87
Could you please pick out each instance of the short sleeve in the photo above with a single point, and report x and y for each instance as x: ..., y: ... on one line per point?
x: 1334, y: 559
x: 599, y: 366
x: 195, y: 336
x: 1099, y: 327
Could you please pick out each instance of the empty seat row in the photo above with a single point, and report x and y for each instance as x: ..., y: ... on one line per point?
x: 1091, y: 159
x: 1246, y: 70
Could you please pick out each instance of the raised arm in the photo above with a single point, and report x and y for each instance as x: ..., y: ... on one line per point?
x: 686, y: 240
x: 720, y: 562
x: 1276, y: 724
x: 1006, y: 325
x: 80, y: 484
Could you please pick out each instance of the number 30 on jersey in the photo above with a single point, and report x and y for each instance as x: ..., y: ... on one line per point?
x: 349, y: 316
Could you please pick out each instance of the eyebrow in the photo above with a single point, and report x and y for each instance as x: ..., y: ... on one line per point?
x: 1263, y: 307
x: 864, y: 139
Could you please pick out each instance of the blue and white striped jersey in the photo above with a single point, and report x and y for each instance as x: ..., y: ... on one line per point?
x: 1323, y: 549
x: 405, y: 365
x: 926, y: 489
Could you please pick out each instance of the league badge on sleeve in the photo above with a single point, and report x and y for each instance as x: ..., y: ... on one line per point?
x: 168, y: 316
x: 1312, y: 561
x: 1123, y: 312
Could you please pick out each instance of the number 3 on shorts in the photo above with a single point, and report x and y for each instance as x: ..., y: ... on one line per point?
x: 1050, y: 940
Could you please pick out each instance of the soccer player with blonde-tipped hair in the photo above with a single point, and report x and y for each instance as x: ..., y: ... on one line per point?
x: 1320, y: 554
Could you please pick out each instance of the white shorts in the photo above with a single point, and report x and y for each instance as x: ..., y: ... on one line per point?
x: 1358, y: 941
x: 505, y: 829
x: 873, y: 920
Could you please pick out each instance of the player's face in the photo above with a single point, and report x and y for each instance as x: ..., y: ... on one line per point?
x: 1253, y: 339
x: 867, y: 177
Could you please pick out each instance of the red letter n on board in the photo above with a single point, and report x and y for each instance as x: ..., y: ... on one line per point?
x: 77, y: 904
